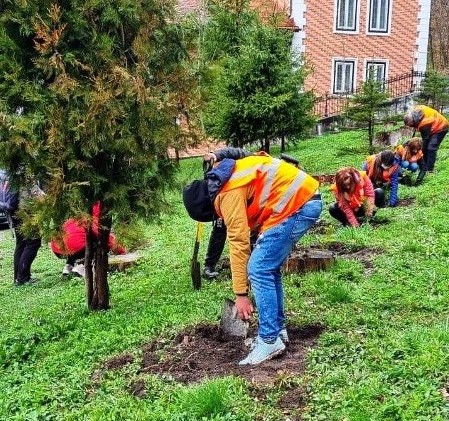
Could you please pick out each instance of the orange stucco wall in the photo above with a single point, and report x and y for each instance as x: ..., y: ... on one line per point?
x: 322, y: 44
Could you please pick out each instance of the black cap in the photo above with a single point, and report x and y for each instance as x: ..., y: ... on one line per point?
x: 197, y: 202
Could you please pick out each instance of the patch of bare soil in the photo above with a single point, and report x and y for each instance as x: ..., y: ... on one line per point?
x: 204, y: 351
x: 406, y: 202
x: 320, y: 227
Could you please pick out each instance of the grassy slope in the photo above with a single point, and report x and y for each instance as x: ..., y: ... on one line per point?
x: 384, y: 355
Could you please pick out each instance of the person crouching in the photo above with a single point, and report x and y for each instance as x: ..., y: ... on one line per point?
x: 355, y: 197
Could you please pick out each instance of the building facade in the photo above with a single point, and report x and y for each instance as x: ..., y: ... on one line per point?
x: 342, y: 41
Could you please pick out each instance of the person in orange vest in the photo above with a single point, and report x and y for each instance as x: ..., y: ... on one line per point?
x: 355, y: 197
x: 410, y: 157
x: 281, y: 203
x: 383, y: 171
x: 433, y: 126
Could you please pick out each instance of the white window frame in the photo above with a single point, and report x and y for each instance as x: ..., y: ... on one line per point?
x: 386, y: 31
x: 356, y: 15
x: 336, y: 62
x: 376, y: 62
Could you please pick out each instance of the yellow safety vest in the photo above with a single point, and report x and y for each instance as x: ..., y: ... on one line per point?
x: 280, y: 189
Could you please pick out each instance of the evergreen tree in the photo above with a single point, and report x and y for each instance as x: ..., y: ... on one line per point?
x: 89, y: 94
x: 258, y: 91
x: 365, y: 104
x: 435, y: 90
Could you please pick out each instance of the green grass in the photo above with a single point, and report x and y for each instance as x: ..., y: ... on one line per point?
x: 383, y: 356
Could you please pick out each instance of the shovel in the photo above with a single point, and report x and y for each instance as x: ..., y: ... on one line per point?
x: 230, y: 323
x: 195, y: 270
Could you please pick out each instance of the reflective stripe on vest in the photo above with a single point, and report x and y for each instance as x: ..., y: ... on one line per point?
x: 279, y: 187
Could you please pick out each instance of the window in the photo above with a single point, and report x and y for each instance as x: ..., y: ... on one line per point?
x: 343, y: 76
x: 379, y: 16
x: 346, y: 15
x: 378, y: 70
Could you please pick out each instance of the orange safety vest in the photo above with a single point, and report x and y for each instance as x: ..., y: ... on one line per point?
x: 386, y: 174
x: 402, y: 152
x: 357, y: 197
x: 280, y: 189
x: 433, y: 117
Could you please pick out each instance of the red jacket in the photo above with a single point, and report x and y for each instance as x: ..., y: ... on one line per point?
x: 349, y: 204
x: 74, y: 238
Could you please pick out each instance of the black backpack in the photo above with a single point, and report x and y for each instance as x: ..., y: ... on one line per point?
x: 9, y: 199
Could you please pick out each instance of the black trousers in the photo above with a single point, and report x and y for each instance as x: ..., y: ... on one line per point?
x: 72, y: 258
x: 430, y: 148
x: 216, y: 243
x: 24, y: 255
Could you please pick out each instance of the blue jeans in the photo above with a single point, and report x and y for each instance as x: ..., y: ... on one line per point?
x: 411, y: 166
x: 264, y: 267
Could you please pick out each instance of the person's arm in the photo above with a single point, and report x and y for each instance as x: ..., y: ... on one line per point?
x: 422, y: 171
x: 369, y: 195
x: 231, y: 205
x: 426, y: 132
x: 394, y: 188
x: 115, y: 247
x: 349, y: 212
x: 231, y: 153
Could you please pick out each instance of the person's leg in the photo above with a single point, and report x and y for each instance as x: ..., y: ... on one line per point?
x: 271, y: 250
x: 434, y: 144
x: 20, y: 246
x: 70, y: 260
x: 26, y: 259
x: 379, y: 197
x: 413, y: 167
x: 338, y: 214
x: 425, y: 150
x: 215, y: 248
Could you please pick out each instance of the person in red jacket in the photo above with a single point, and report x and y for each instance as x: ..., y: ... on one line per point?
x: 355, y: 196
x: 74, y: 243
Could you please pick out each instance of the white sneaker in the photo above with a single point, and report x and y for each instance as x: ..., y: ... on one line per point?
x: 79, y: 270
x: 67, y: 269
x: 263, y: 351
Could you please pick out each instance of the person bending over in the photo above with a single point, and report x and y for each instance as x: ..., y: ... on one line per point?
x: 383, y: 171
x: 281, y: 203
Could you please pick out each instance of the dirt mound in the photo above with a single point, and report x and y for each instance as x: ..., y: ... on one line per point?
x: 205, y: 352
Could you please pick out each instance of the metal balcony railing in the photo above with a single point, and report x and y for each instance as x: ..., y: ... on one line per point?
x: 331, y: 105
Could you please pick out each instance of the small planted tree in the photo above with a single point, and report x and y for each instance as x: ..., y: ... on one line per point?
x: 435, y: 90
x: 364, y: 106
x: 99, y: 85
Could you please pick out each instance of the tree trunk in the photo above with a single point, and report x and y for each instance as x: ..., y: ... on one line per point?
x: 101, y: 290
x: 97, y: 280
x: 308, y: 261
x: 266, y: 146
x: 370, y: 136
x: 88, y: 259
x: 282, y: 144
